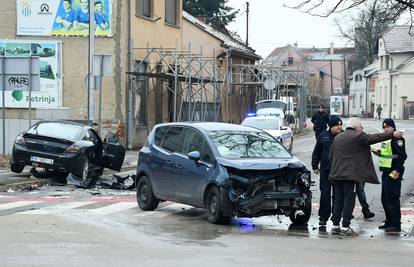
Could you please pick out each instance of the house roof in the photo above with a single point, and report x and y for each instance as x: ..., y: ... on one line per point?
x: 228, y: 39
x: 398, y: 39
x: 405, y: 63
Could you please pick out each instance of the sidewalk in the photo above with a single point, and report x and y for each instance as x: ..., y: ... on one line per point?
x: 13, y: 181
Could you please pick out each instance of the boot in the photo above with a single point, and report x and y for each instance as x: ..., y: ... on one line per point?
x: 368, y: 214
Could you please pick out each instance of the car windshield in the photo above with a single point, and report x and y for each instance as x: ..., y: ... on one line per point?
x: 265, y: 124
x: 57, y: 130
x: 243, y: 144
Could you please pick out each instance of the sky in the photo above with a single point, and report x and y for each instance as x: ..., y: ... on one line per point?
x: 272, y: 25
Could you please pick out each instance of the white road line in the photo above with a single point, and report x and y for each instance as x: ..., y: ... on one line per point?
x: 164, y: 211
x: 17, y: 204
x: 117, y: 207
x: 56, y: 208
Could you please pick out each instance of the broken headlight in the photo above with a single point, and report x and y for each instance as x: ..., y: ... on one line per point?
x: 305, y: 179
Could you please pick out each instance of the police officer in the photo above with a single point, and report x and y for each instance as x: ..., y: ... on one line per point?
x: 320, y: 121
x: 392, y: 156
x: 320, y: 156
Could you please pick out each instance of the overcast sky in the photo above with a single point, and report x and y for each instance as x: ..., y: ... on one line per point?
x: 272, y: 25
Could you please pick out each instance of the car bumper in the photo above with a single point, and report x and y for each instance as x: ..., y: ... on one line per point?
x: 65, y: 162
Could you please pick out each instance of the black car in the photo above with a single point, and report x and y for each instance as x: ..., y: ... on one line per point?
x: 65, y: 147
x: 231, y: 170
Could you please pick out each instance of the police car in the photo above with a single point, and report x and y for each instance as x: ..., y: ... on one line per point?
x: 273, y: 125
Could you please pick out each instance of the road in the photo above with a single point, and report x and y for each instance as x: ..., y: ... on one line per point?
x: 67, y: 226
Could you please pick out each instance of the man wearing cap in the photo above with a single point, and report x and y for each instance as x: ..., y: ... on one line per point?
x: 321, y: 165
x: 392, y: 156
x: 320, y: 121
x: 351, y: 162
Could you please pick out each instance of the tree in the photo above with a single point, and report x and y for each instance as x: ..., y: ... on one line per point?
x: 324, y: 9
x: 372, y: 20
x: 216, y: 11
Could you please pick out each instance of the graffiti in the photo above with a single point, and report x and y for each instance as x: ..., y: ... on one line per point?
x: 18, y: 81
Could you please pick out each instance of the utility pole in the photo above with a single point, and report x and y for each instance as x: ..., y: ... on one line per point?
x: 247, y: 22
x: 91, y: 92
x: 331, y: 74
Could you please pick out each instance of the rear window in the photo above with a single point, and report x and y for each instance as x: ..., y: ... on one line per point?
x: 264, y: 124
x: 57, y: 130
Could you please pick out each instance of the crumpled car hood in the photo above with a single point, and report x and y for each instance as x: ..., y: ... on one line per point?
x: 261, y: 164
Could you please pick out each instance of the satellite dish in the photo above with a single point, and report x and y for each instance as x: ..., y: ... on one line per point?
x: 269, y: 84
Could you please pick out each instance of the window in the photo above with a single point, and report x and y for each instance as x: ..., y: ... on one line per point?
x: 193, y: 141
x: 171, y: 10
x: 354, y: 100
x: 159, y: 135
x: 92, y: 136
x: 290, y: 60
x: 144, y: 7
x: 57, y: 130
x: 207, y: 155
x: 361, y: 100
x: 172, y: 139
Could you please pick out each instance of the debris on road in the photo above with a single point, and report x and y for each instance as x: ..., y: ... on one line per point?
x: 10, y: 191
x: 106, y: 182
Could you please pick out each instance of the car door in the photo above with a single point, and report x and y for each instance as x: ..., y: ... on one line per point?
x: 113, y: 154
x: 192, y: 176
x: 164, y: 158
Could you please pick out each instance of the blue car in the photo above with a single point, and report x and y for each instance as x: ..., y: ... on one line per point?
x: 230, y: 170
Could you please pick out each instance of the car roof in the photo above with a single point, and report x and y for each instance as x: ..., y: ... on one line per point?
x: 263, y: 118
x: 212, y: 126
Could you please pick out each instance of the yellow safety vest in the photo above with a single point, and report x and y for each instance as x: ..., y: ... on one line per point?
x: 385, y: 159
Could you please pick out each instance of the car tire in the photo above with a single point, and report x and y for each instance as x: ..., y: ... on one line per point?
x: 214, y: 207
x: 307, y: 209
x: 17, y: 168
x: 145, y: 196
x: 85, y: 170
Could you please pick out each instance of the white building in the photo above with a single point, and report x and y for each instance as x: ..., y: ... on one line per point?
x: 394, y: 90
x: 362, y: 84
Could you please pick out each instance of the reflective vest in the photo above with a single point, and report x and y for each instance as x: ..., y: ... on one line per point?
x: 385, y: 159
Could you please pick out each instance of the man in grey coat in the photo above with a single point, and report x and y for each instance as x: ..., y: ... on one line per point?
x: 351, y: 162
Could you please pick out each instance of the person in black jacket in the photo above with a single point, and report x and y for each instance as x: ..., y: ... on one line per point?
x: 321, y: 165
x: 392, y: 157
x: 320, y: 121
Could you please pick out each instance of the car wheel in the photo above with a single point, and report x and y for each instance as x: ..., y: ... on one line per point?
x: 85, y: 170
x: 17, y: 168
x: 145, y: 196
x: 305, y: 214
x: 214, y: 207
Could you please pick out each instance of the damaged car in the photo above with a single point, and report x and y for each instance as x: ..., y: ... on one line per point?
x: 230, y: 170
x: 66, y: 147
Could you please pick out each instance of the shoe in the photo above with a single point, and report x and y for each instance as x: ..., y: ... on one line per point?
x: 322, y: 222
x: 336, y: 230
x: 348, y: 231
x: 383, y: 226
x: 368, y: 214
x: 393, y: 229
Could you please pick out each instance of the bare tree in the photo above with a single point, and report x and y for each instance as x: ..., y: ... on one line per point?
x: 371, y: 21
x: 325, y: 8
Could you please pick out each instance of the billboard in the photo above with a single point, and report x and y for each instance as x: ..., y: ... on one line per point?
x: 50, y: 82
x: 62, y: 17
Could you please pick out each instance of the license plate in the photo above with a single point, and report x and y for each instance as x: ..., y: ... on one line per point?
x: 41, y: 160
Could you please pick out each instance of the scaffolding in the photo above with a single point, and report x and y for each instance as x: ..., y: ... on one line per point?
x: 196, y: 84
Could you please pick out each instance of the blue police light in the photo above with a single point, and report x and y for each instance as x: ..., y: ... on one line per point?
x: 251, y: 114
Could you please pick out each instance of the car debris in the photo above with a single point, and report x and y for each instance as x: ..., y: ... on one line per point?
x: 117, y: 182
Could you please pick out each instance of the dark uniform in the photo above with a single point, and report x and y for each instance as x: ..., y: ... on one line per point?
x: 321, y: 155
x: 320, y: 122
x: 392, y: 157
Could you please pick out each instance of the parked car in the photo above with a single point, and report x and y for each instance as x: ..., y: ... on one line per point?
x: 65, y: 147
x: 274, y: 126
x: 231, y: 170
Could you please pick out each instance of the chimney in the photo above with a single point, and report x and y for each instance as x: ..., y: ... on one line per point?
x: 295, y: 44
x: 331, y: 51
x: 203, y: 19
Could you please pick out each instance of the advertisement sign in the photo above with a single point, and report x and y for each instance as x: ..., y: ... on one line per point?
x: 62, y: 17
x: 48, y: 96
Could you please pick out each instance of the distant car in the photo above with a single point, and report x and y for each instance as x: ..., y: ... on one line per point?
x: 231, y: 170
x: 65, y: 147
x: 274, y: 126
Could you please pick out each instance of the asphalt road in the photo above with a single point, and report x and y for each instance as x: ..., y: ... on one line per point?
x: 67, y: 226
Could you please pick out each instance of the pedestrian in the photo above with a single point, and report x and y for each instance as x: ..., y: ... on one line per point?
x: 392, y: 156
x: 351, y: 162
x: 321, y: 165
x: 379, y: 110
x: 320, y: 121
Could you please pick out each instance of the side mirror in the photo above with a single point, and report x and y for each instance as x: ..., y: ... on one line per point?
x: 194, y: 155
x: 111, y: 138
x: 283, y: 128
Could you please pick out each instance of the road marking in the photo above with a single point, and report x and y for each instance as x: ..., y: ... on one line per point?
x: 18, y: 204
x: 56, y: 208
x: 117, y: 207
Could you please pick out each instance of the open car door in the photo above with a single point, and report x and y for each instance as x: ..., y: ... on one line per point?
x: 113, y: 156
